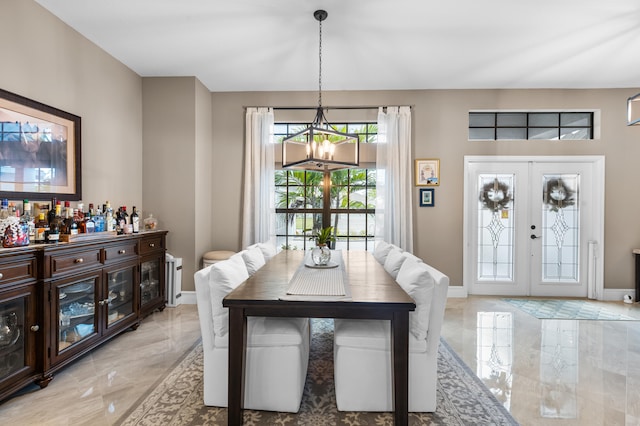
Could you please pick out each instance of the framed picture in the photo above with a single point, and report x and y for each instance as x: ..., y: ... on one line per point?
x: 426, y: 197
x: 39, y: 150
x: 428, y: 172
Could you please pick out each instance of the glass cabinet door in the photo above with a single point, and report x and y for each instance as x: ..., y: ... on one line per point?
x: 13, y: 319
x: 150, y: 281
x: 76, y: 312
x: 120, y: 286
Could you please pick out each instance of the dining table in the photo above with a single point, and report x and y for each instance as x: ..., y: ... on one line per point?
x: 369, y: 293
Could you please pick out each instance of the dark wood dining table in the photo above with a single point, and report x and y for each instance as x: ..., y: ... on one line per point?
x: 374, y: 295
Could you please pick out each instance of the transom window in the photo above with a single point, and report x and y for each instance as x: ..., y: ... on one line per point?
x: 303, y: 202
x: 530, y: 125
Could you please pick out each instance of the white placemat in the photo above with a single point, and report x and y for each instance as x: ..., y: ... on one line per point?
x: 311, y: 283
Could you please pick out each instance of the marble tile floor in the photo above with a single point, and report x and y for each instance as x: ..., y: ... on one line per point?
x: 551, y: 372
x: 546, y: 372
x: 99, y: 387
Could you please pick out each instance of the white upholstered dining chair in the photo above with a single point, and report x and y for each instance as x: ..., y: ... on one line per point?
x: 362, y: 356
x: 277, y: 348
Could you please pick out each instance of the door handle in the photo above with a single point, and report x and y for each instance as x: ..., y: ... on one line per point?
x: 533, y: 237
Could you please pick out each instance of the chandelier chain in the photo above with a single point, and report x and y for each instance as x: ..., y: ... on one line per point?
x: 320, y: 66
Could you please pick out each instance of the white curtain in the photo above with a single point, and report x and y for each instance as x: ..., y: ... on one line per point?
x: 394, y: 205
x: 258, y: 218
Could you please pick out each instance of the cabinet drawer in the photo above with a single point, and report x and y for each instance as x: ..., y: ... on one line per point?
x: 120, y: 252
x: 69, y: 262
x: 148, y: 245
x: 17, y: 270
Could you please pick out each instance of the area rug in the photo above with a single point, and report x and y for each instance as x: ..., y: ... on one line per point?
x: 568, y: 309
x: 177, y: 399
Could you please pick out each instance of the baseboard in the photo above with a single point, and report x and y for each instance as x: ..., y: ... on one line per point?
x: 457, y: 291
x: 617, y: 294
x: 186, y: 298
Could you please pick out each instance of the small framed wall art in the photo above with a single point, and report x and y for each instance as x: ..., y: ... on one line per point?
x: 426, y: 197
x: 427, y: 172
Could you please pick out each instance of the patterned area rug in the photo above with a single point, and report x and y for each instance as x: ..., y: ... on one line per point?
x: 568, y: 309
x: 177, y: 399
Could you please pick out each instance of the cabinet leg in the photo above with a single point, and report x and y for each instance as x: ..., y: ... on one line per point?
x: 44, y: 381
x: 135, y: 326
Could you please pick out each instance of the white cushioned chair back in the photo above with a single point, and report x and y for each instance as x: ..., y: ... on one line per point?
x: 203, y: 300
x: 438, y: 305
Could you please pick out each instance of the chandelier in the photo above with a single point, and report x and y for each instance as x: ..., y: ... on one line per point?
x: 633, y: 110
x: 320, y: 147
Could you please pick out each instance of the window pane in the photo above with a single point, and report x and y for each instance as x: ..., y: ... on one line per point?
x: 482, y: 134
x: 575, y: 119
x: 482, y: 119
x: 357, y: 225
x: 508, y: 133
x: 512, y: 119
x: 371, y: 177
x: 567, y: 133
x: 358, y: 197
x: 339, y: 196
x: 544, y: 120
x: 543, y: 133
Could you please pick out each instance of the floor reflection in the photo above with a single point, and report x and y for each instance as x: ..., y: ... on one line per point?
x: 495, y: 353
x: 559, y: 368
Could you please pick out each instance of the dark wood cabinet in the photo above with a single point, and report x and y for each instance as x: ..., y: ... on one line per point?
x: 58, y: 302
x: 20, y: 322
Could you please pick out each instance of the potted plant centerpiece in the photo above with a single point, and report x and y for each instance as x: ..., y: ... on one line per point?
x: 320, y: 254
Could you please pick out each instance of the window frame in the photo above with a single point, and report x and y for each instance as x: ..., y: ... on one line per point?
x: 527, y: 126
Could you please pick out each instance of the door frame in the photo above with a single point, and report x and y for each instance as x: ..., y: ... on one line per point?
x: 595, y: 286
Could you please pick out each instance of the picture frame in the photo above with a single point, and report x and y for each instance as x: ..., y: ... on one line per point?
x: 426, y: 197
x: 39, y: 150
x: 427, y: 172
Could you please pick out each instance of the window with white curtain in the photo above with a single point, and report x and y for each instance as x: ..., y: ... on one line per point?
x: 300, y: 202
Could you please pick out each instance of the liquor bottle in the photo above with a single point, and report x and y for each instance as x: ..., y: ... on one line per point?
x: 28, y: 219
x: 135, y: 220
x: 110, y: 222
x: 87, y: 226
x: 70, y: 225
x: 4, y: 208
x: 65, y: 209
x: 53, y: 235
x: 98, y: 219
x: 122, y: 219
x: 41, y: 227
x: 52, y: 212
x: 80, y: 216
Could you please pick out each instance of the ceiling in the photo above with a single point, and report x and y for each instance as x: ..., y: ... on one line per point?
x: 272, y: 45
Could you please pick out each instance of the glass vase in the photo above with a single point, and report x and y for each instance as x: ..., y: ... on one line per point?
x: 321, y: 255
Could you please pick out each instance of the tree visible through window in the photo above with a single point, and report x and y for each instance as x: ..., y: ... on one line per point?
x: 301, y: 202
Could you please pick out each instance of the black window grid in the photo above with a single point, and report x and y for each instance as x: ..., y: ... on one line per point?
x: 529, y: 127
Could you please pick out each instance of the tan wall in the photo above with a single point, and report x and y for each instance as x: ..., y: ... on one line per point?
x: 440, y: 131
x: 53, y: 64
x: 49, y: 62
x: 170, y: 145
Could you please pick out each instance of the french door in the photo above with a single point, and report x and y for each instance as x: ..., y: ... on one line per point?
x: 534, y: 226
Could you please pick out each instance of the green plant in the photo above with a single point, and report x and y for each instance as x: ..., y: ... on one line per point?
x: 323, y: 236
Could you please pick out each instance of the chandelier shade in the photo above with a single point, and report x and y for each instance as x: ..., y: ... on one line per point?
x: 320, y: 147
x: 633, y: 110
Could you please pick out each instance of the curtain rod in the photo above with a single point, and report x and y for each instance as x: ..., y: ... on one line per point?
x: 300, y: 108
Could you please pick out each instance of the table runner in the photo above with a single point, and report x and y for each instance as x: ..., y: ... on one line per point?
x: 320, y: 284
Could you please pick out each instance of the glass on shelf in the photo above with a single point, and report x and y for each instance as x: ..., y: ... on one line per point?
x: 150, y: 282
x: 76, y: 313
x: 12, y: 350
x: 120, y: 295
